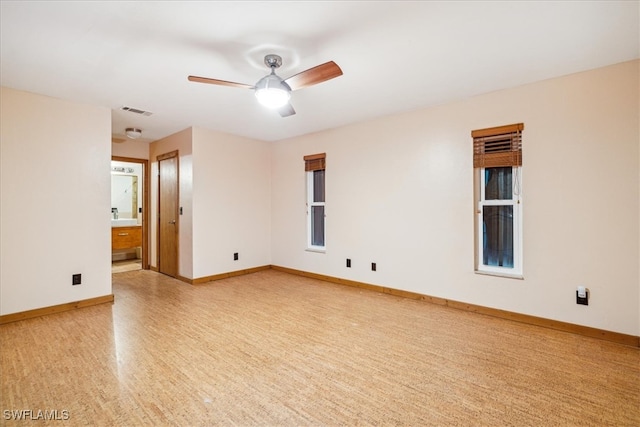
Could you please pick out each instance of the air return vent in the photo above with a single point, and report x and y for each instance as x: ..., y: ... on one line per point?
x: 136, y: 111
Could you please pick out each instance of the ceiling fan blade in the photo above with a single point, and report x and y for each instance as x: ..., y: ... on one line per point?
x: 218, y: 82
x: 286, y: 111
x: 315, y: 75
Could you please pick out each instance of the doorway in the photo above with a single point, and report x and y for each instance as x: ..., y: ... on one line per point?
x: 129, y: 214
x: 168, y: 211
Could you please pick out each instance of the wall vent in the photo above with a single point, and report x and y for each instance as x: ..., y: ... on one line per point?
x: 136, y: 111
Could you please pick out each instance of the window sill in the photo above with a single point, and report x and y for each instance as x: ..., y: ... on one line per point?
x: 498, y: 274
x: 317, y: 250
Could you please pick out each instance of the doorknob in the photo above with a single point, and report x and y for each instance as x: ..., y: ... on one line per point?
x: 173, y: 221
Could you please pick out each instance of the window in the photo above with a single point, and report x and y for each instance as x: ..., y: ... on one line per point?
x: 497, y: 159
x: 315, y: 170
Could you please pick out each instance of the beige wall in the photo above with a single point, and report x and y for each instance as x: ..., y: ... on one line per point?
x: 231, y: 202
x: 130, y: 148
x: 225, y: 196
x: 55, y: 211
x: 400, y: 193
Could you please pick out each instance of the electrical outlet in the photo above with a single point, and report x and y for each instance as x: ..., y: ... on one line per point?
x: 76, y: 279
x: 235, y: 256
x: 373, y: 266
x: 582, y: 300
x: 348, y: 263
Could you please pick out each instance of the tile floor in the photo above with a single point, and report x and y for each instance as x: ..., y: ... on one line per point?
x: 126, y: 265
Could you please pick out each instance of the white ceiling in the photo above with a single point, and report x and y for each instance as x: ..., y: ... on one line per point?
x: 396, y: 56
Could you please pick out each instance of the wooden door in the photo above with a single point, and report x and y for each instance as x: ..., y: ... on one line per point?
x: 168, y: 214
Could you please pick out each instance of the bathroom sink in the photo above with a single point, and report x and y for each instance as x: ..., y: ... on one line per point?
x: 124, y: 222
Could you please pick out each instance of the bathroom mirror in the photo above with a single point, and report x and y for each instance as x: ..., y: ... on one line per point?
x: 124, y: 196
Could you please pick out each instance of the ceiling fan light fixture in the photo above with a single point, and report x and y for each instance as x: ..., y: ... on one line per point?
x: 272, y: 92
x: 133, y: 133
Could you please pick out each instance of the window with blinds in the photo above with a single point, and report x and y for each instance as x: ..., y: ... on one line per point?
x: 497, y: 159
x: 314, y: 166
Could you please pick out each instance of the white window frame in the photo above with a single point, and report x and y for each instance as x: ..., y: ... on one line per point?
x: 516, y: 202
x: 310, y: 205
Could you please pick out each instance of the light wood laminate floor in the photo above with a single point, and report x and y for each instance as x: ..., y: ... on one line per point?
x: 272, y: 349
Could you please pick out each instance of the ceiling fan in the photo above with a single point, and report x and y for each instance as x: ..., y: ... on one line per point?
x: 275, y: 92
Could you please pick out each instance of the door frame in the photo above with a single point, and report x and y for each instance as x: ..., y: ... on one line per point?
x: 159, y: 158
x: 145, y: 205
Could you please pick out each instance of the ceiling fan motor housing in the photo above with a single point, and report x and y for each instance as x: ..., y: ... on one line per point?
x: 273, y: 61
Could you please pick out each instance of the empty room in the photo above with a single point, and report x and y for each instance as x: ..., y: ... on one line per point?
x: 278, y: 213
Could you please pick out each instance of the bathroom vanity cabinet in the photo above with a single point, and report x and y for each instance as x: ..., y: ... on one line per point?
x: 126, y: 237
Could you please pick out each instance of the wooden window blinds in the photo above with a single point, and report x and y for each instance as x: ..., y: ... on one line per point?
x: 315, y: 162
x: 498, y: 147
